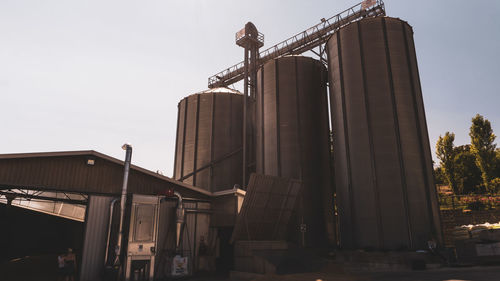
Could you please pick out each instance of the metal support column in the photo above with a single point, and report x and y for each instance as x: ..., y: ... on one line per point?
x: 251, y: 40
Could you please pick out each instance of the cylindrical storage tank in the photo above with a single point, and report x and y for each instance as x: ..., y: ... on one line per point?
x: 386, y: 195
x: 208, y: 151
x: 292, y: 139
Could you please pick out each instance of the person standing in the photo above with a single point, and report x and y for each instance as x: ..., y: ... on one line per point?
x: 61, y: 274
x: 70, y: 265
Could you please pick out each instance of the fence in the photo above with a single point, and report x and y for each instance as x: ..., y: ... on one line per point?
x: 470, y: 202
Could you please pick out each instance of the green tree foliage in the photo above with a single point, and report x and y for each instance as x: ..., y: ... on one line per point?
x: 467, y: 175
x: 439, y: 177
x: 446, y: 154
x: 483, y: 148
x: 495, y: 184
x: 497, y: 170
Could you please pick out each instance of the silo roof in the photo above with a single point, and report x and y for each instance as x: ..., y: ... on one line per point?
x: 221, y: 90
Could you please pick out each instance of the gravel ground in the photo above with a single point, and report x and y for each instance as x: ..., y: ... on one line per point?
x: 489, y: 273
x: 43, y: 268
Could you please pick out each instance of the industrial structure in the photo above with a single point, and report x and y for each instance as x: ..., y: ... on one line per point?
x: 208, y: 152
x: 85, y: 186
x: 383, y: 169
x: 291, y: 107
x: 261, y: 171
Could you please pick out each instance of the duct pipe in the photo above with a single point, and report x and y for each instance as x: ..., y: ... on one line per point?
x: 111, y: 209
x: 179, y: 220
x: 128, y: 157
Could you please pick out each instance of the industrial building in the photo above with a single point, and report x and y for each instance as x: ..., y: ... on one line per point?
x: 260, y: 175
x: 83, y: 187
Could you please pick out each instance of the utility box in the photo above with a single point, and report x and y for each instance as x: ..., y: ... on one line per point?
x: 142, y: 238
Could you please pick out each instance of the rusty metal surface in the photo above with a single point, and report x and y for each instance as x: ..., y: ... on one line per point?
x: 292, y: 137
x: 267, y: 208
x: 383, y: 171
x: 69, y: 171
x: 209, y: 140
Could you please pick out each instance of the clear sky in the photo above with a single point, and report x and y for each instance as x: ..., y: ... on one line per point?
x: 78, y: 75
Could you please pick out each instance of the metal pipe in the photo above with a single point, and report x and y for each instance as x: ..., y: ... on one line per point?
x: 111, y: 209
x: 245, y: 95
x: 179, y: 220
x: 128, y: 157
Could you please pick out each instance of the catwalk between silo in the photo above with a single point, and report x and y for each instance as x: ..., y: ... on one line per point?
x: 383, y: 170
x: 292, y: 140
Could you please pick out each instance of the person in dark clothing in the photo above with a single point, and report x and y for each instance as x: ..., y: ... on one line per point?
x: 70, y: 265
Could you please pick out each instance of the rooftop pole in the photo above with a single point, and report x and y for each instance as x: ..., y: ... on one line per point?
x: 128, y: 158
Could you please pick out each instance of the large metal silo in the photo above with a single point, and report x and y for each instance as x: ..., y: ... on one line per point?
x: 383, y: 170
x: 292, y: 139
x: 208, y: 151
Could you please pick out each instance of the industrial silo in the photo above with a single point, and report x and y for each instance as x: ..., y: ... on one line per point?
x: 292, y: 139
x: 383, y: 170
x: 208, y: 151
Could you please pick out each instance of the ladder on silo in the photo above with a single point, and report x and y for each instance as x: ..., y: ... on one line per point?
x: 304, y: 41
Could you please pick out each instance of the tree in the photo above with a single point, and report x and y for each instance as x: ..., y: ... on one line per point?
x: 497, y: 170
x: 439, y: 177
x: 467, y: 174
x: 446, y: 154
x: 483, y: 148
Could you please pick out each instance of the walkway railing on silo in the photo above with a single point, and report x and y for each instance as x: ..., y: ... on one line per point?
x: 303, y: 41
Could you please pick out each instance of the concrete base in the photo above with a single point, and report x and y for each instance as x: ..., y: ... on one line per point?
x: 261, y: 257
x: 278, y: 257
x: 243, y: 276
x: 360, y: 261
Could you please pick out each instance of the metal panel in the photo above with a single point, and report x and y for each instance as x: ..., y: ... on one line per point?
x: 94, y: 243
x: 179, y: 145
x: 166, y: 239
x: 292, y: 140
x: 70, y: 171
x: 267, y: 208
x: 383, y: 189
x: 424, y: 136
x: 53, y: 203
x: 197, y: 221
x: 210, y: 148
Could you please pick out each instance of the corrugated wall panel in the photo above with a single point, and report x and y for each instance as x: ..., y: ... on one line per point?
x: 191, y: 137
x: 341, y: 150
x: 410, y: 137
x: 356, y: 113
x: 383, y: 189
x: 204, y: 146
x: 181, y: 127
x: 293, y: 138
x: 211, y: 144
x: 96, y: 227
x: 422, y: 124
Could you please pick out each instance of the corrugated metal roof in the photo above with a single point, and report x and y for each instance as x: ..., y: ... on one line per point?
x: 69, y: 171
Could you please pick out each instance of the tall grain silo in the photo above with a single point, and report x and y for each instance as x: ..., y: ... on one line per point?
x: 292, y: 139
x: 208, y: 151
x: 383, y: 169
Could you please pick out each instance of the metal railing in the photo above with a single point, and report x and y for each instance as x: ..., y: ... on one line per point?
x: 471, y: 202
x: 301, y: 42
